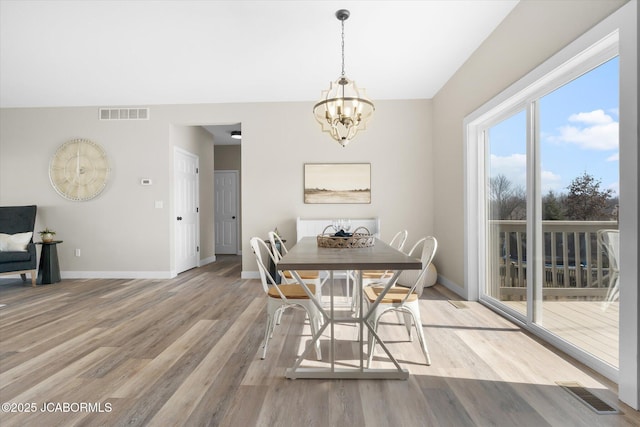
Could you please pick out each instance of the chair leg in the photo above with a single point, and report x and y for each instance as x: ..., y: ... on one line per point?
x: 267, y: 334
x: 356, y: 296
x: 612, y: 293
x: 355, y: 300
x: 415, y: 313
x: 348, y: 285
x: 408, y: 318
x: 34, y: 275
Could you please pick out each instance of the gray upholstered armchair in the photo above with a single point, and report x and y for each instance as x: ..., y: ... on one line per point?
x: 23, y: 259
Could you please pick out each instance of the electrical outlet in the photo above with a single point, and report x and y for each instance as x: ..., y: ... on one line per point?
x: 77, y: 252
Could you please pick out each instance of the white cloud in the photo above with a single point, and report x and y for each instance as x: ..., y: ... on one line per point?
x: 596, y: 117
x: 550, y: 181
x: 514, y: 167
x: 614, y: 157
x: 594, y: 130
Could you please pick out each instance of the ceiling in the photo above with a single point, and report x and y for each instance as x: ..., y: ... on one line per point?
x: 140, y: 53
x: 222, y: 134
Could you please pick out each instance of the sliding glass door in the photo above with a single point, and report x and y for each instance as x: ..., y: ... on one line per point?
x: 551, y: 180
x: 579, y: 185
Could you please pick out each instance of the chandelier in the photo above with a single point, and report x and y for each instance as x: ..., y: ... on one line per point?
x: 344, y: 109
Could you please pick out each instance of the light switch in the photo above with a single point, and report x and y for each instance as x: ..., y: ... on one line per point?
x: 159, y: 204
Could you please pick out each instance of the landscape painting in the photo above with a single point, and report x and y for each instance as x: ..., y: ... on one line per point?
x: 337, y: 183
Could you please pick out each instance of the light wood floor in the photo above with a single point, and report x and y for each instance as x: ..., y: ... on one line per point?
x: 187, y: 351
x: 590, y: 325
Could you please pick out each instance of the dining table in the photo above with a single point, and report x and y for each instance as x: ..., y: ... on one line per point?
x: 308, y: 255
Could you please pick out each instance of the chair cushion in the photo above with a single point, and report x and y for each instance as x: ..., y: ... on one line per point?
x: 291, y: 291
x: 304, y: 274
x: 376, y: 274
x: 394, y: 296
x: 15, y: 256
x: 15, y: 242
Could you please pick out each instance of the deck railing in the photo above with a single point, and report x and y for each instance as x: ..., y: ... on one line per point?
x: 574, y: 265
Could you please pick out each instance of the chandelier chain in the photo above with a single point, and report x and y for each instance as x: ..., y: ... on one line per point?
x: 342, y: 21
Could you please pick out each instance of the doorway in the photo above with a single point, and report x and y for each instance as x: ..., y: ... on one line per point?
x: 227, y: 143
x: 226, y: 190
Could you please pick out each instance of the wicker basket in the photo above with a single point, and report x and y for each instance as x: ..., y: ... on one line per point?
x: 361, y: 238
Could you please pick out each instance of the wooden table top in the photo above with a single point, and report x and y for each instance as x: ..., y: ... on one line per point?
x: 306, y: 255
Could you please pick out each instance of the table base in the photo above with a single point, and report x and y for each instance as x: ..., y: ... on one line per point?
x: 330, y: 321
x: 347, y: 374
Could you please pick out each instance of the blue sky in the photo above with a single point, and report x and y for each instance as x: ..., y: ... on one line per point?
x: 579, y: 133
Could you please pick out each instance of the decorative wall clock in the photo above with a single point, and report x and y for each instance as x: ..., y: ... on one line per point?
x: 79, y: 170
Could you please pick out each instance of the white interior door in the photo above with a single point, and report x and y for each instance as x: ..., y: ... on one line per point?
x: 187, y: 231
x: 226, y: 211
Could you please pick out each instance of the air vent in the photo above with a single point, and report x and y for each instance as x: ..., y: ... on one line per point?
x: 592, y: 401
x: 458, y: 304
x: 124, y: 114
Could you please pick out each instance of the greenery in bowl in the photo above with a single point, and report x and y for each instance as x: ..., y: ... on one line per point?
x: 47, y: 231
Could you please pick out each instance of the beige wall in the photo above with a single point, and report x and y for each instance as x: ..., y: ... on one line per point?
x: 397, y: 143
x: 118, y: 232
x: 533, y: 32
x: 227, y: 157
x: 122, y: 234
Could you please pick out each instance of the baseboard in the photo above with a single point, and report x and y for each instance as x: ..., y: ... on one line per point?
x: 117, y: 275
x: 250, y: 275
x: 206, y: 261
x: 452, y: 286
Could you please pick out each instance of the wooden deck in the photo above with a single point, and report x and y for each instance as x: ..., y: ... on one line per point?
x: 590, y: 325
x: 186, y: 352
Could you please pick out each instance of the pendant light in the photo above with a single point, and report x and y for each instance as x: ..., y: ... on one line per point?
x: 344, y: 109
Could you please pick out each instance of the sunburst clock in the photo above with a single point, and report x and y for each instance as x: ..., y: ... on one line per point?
x: 79, y: 170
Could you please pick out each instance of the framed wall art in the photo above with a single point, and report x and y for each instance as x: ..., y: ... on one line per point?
x: 337, y: 183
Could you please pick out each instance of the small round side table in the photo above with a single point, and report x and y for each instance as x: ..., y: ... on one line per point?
x: 49, y: 269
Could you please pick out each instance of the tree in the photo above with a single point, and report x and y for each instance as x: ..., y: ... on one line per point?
x: 507, y: 201
x: 552, y: 207
x: 585, y: 200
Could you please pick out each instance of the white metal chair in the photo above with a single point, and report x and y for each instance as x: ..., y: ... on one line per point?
x: 403, y: 296
x: 609, y: 241
x: 311, y: 277
x: 370, y: 276
x: 397, y: 242
x: 282, y: 297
